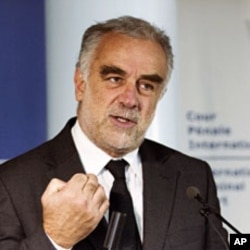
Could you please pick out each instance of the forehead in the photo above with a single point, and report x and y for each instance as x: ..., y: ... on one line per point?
x: 131, y: 54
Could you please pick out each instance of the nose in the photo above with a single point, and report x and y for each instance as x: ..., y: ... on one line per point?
x: 129, y: 95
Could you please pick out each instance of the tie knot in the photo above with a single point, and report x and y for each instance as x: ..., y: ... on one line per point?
x: 117, y: 168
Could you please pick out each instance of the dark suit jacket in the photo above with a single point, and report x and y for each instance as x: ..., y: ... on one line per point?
x: 171, y: 220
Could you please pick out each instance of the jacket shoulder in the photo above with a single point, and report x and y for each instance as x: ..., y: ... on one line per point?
x: 50, y: 152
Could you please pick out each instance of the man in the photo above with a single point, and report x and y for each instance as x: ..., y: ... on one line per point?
x: 57, y: 195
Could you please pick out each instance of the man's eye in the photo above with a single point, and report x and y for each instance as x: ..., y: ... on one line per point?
x: 146, y: 88
x: 115, y: 79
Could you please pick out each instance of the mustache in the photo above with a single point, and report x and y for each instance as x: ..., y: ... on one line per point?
x: 126, y: 113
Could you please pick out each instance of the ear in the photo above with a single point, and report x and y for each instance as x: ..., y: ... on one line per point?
x: 79, y: 84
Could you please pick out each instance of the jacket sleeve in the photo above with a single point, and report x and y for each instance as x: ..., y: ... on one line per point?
x: 12, y: 232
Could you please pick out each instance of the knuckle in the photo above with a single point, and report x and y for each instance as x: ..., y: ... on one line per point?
x: 79, y: 177
x: 106, y: 204
x: 53, y: 182
x: 99, y: 189
x: 80, y: 204
x: 92, y: 177
x: 91, y: 186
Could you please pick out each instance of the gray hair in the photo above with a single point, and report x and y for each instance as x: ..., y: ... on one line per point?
x: 126, y: 25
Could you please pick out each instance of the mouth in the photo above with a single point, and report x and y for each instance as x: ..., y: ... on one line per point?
x: 123, y: 122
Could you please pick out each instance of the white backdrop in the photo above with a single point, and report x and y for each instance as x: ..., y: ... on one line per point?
x: 213, y: 92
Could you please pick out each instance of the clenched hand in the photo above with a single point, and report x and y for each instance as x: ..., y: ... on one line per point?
x: 72, y: 210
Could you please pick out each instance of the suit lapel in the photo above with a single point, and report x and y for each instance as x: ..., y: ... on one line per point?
x: 62, y: 156
x: 160, y: 180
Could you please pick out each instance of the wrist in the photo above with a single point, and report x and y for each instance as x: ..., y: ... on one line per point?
x: 58, y: 247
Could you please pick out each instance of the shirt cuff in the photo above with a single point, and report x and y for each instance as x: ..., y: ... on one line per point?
x: 56, y: 246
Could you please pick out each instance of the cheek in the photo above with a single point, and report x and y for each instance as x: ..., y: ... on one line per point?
x: 97, y: 101
x: 148, y: 110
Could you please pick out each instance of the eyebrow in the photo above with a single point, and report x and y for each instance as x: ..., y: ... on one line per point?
x: 153, y: 78
x: 106, y: 69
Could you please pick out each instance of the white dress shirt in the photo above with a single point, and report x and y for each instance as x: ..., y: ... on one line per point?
x: 94, y: 160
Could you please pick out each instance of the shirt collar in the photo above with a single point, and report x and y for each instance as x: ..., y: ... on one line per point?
x: 93, y: 158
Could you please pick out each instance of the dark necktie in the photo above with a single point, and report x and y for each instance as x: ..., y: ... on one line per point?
x: 121, y: 201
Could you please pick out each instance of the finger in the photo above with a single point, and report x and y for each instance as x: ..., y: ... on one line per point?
x: 90, y: 186
x: 84, y: 184
x: 76, y: 182
x: 104, y: 207
x: 99, y: 196
x: 55, y: 185
x: 92, y: 177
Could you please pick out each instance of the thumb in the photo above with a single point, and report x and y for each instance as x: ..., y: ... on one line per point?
x: 54, y: 186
